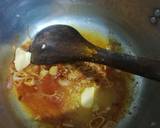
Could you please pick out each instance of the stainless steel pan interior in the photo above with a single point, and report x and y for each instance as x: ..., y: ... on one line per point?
x: 128, y: 21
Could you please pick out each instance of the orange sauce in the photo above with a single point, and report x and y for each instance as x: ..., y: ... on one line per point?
x: 47, y: 100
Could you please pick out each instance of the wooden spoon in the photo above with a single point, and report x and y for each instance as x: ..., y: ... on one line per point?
x: 62, y: 43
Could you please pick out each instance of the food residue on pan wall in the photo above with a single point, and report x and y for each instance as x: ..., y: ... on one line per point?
x: 79, y: 95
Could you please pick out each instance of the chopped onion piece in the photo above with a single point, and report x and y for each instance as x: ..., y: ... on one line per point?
x: 87, y: 97
x: 22, y: 59
x: 43, y: 73
x: 64, y: 82
x: 53, y: 70
x: 30, y: 82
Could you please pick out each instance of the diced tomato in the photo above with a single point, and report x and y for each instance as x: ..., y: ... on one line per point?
x: 49, y: 85
x: 42, y: 105
x: 25, y: 89
x: 39, y: 98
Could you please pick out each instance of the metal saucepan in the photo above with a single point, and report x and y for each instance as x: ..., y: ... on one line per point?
x: 128, y: 21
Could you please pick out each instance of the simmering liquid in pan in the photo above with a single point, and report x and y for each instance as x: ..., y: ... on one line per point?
x: 78, y: 95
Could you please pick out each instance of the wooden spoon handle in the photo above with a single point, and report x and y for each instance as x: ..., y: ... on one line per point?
x: 142, y: 66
